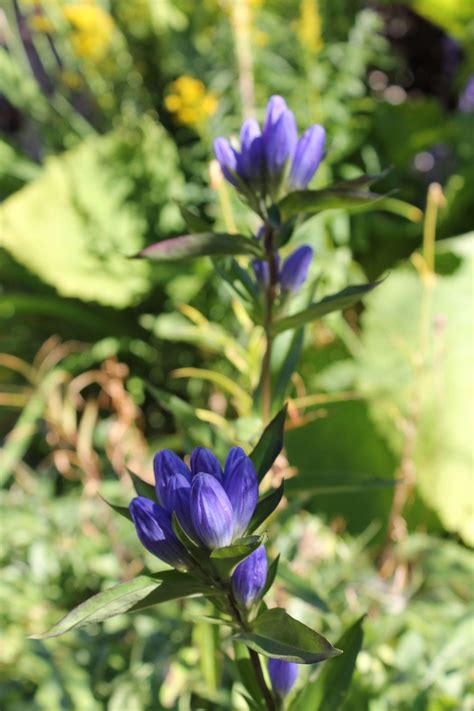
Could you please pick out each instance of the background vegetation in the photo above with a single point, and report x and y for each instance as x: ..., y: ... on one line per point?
x: 108, y: 111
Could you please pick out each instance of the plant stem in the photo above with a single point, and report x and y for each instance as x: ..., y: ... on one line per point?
x: 268, y: 322
x: 254, y: 658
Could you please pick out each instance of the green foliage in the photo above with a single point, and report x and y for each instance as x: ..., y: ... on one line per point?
x: 200, y: 245
x: 269, y: 445
x: 415, y: 366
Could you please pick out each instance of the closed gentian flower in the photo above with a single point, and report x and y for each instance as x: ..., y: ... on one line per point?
x: 249, y: 161
x: 283, y: 675
x: 279, y: 144
x: 241, y: 486
x: 167, y: 464
x: 308, y: 155
x: 249, y: 577
x: 261, y: 270
x: 211, y: 512
x: 203, y: 460
x: 227, y: 159
x: 154, y: 529
x: 178, y: 501
x: 275, y: 108
x: 295, y: 269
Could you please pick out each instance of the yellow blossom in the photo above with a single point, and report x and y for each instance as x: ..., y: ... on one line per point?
x: 309, y: 26
x: 189, y: 100
x: 92, y: 29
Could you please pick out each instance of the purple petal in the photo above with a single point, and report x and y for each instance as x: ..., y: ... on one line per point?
x: 295, y: 269
x: 280, y: 142
x: 241, y: 486
x: 308, y: 155
x: 203, y: 460
x: 167, y: 464
x: 249, y: 578
x: 227, y: 158
x: 251, y: 154
x: 283, y: 675
x: 178, y: 499
x: 153, y: 526
x: 211, y: 512
x: 275, y: 108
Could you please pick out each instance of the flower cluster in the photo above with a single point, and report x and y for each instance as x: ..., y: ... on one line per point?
x: 273, y: 160
x: 213, y: 505
x: 189, y: 101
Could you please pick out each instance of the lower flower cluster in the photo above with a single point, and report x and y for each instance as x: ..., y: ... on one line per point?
x: 214, y: 506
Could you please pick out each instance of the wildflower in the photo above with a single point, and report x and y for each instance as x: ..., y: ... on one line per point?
x: 292, y: 275
x: 213, y: 506
x: 249, y: 578
x: 283, y: 675
x: 92, y: 29
x: 189, y: 101
x: 273, y: 160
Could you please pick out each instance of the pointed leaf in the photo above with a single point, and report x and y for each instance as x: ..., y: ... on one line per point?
x: 313, y: 201
x: 266, y: 506
x: 122, y: 510
x: 269, y: 445
x: 328, y: 690
x: 334, y: 302
x: 224, y: 560
x: 288, y: 366
x: 276, y: 634
x: 271, y: 575
x: 193, y: 221
x: 143, y: 488
x: 202, y: 244
x: 131, y: 596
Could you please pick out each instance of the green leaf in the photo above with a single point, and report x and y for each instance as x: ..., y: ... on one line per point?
x: 122, y: 510
x: 328, y: 690
x: 271, y: 575
x: 269, y: 445
x: 313, y: 483
x: 266, y: 506
x: 288, y: 367
x: 227, y: 558
x: 334, y: 302
x: 194, y: 221
x: 276, y: 634
x: 131, y: 596
x: 203, y: 244
x: 247, y: 674
x: 143, y: 488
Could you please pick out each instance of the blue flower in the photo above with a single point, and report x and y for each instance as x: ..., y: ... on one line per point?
x: 307, y: 157
x: 272, y: 161
x: 249, y: 577
x: 154, y: 529
x: 283, y: 675
x: 295, y: 269
x: 213, y: 506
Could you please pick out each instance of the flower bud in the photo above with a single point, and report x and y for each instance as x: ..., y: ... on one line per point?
x: 295, y: 269
x: 211, y: 511
x: 261, y: 270
x: 283, y: 675
x: 203, y: 460
x: 249, y: 577
x: 227, y: 158
x: 153, y: 526
x: 241, y: 486
x: 166, y: 465
x: 308, y: 155
x: 178, y: 496
x: 249, y: 161
x: 280, y: 142
x: 275, y: 108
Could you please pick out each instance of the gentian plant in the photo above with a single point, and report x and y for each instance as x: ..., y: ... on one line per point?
x: 204, y: 518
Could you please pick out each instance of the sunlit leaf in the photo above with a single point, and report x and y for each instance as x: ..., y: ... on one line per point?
x: 269, y: 445
x: 266, y: 506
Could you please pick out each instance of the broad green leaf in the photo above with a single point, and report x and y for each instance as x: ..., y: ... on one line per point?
x: 315, y: 483
x: 269, y: 445
x: 266, y: 506
x: 334, y: 302
x: 418, y: 352
x: 276, y: 634
x: 203, y: 244
x: 288, y: 367
x: 77, y: 241
x: 131, y: 596
x: 328, y: 690
x: 122, y: 510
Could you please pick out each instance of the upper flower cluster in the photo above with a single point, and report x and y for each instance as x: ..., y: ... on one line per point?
x: 272, y: 160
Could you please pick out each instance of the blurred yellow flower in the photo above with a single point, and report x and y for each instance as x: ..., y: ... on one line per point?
x: 189, y: 100
x: 92, y: 29
x: 309, y: 26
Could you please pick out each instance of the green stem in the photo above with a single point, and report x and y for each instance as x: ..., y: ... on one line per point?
x: 268, y: 323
